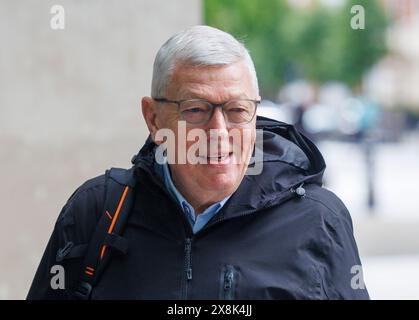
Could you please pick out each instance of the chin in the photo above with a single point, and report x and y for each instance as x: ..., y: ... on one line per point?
x: 221, y: 182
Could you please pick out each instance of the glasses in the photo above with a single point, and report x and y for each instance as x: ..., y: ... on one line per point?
x: 199, y: 111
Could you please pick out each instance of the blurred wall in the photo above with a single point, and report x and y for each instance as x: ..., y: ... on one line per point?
x: 69, y: 108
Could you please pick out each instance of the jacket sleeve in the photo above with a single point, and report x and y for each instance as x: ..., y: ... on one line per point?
x: 341, y: 270
x: 75, y: 224
x: 41, y: 284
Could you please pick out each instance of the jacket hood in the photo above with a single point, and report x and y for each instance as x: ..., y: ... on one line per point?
x: 290, y: 160
x: 284, y: 145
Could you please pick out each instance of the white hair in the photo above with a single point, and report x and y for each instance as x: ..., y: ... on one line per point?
x: 198, y: 46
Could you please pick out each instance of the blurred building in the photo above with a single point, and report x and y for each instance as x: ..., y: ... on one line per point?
x: 394, y: 80
x: 401, y: 10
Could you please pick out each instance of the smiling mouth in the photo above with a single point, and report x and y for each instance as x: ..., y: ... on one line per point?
x: 217, y: 159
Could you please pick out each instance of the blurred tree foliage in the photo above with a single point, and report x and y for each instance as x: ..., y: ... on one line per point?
x: 316, y: 43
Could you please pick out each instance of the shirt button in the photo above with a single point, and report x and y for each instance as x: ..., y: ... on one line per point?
x: 186, y: 208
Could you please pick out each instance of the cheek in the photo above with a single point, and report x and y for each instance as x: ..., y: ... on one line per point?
x: 245, y: 145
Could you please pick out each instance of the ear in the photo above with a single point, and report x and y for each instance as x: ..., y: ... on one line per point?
x: 149, y: 110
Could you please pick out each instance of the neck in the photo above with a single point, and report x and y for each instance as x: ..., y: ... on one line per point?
x: 199, y: 200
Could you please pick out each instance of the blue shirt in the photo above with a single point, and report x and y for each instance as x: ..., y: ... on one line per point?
x: 197, y: 222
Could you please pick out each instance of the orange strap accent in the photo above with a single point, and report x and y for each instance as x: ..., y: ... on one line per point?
x: 115, y: 218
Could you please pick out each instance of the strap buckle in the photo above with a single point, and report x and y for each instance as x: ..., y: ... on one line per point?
x: 83, y: 290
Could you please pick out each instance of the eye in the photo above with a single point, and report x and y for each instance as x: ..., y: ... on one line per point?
x: 238, y: 106
x: 193, y: 107
x: 194, y: 110
x: 238, y: 110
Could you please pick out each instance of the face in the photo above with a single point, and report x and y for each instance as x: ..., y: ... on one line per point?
x: 205, y: 183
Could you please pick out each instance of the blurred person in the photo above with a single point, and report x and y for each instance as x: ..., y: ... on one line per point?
x: 299, y: 111
x: 207, y: 230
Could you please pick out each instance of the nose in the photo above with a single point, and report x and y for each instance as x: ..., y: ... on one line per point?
x: 217, y: 121
x: 218, y: 132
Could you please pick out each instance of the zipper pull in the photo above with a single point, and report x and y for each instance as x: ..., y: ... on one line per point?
x: 228, y: 279
x: 188, y: 246
x: 189, y: 274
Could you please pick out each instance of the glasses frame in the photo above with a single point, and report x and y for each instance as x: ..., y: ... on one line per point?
x: 213, y: 106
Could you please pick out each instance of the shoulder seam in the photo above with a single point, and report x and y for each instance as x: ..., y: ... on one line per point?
x: 82, y: 190
x: 325, y: 205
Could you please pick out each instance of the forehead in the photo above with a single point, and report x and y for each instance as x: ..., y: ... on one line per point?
x: 215, y: 83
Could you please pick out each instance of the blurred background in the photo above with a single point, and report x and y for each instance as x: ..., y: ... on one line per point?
x: 69, y: 109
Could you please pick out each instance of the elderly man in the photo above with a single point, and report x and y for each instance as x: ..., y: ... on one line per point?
x: 195, y: 222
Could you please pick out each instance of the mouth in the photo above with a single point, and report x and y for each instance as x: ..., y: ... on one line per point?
x: 218, y: 159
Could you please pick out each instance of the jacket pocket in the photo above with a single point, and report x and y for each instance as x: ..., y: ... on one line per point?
x: 228, y: 282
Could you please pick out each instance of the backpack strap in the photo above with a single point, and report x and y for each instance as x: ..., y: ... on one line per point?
x: 106, y: 239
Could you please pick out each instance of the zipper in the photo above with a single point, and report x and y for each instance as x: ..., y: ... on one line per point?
x: 228, y: 283
x: 187, y: 268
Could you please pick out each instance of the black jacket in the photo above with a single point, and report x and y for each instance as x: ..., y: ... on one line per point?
x: 267, y: 242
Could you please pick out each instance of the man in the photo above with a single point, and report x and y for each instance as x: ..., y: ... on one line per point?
x: 201, y: 226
